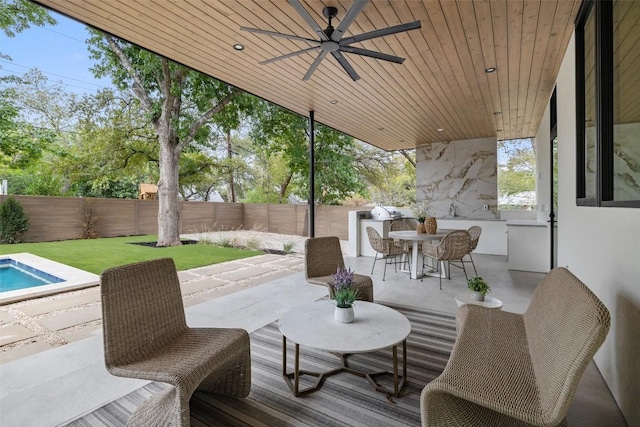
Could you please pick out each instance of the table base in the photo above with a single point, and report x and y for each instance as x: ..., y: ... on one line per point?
x: 292, y: 379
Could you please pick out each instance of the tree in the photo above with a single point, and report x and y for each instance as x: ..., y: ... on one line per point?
x: 516, y: 167
x: 26, y: 139
x: 178, y: 102
x: 114, y: 148
x: 13, y: 221
x: 18, y: 15
x: 277, y: 131
x: 390, y: 176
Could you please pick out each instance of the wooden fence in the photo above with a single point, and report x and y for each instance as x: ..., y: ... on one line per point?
x: 62, y: 218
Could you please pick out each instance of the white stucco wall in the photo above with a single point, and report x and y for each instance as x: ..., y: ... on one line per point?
x: 602, y: 247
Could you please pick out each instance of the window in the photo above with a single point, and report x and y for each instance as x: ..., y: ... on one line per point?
x: 608, y: 103
x: 516, y: 174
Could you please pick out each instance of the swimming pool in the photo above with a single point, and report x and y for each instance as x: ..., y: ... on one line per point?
x: 15, y: 275
x: 25, y: 267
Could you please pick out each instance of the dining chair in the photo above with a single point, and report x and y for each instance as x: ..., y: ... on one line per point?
x: 474, y: 234
x: 387, y: 247
x: 401, y: 225
x: 453, y: 247
x: 146, y: 336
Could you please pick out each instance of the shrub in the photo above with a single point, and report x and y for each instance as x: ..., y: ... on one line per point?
x: 13, y: 221
x: 90, y: 221
x: 225, y: 242
x: 288, y: 247
x: 254, y: 244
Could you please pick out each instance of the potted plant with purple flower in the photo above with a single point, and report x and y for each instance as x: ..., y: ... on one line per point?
x: 345, y: 294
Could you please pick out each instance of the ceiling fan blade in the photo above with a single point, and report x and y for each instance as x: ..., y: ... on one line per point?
x: 345, y: 64
x: 382, y: 32
x: 307, y: 17
x: 372, y: 54
x: 289, y: 55
x: 315, y: 64
x: 354, y: 11
x: 276, y: 34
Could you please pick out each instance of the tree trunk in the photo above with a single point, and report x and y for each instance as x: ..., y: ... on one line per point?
x: 168, y: 209
x: 284, y: 186
x: 229, y: 155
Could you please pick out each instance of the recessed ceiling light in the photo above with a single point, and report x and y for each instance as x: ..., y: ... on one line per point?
x: 440, y: 130
x: 489, y: 70
x: 497, y: 113
x: 380, y: 128
x: 238, y: 46
x: 333, y: 101
x: 402, y: 140
x: 499, y: 130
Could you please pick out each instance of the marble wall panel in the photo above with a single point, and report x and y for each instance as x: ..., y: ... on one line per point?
x: 462, y: 173
x: 626, y: 161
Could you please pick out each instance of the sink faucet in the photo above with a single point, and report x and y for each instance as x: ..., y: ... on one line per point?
x: 452, y: 210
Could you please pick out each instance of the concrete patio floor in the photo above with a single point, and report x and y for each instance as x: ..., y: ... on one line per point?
x: 61, y: 376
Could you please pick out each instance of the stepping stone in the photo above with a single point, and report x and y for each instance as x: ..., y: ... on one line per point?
x: 14, y: 333
x: 83, y: 333
x: 268, y: 278
x: 72, y: 318
x: 200, y: 285
x: 217, y: 293
x: 42, y: 306
x: 217, y: 269
x: 261, y: 259
x: 6, y: 317
x: 185, y: 276
x: 246, y: 273
x: 287, y: 262
x: 24, y: 351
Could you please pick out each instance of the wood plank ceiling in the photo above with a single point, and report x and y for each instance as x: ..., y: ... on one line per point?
x: 441, y: 85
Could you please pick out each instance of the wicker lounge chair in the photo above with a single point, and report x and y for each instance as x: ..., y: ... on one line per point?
x: 453, y: 247
x: 388, y: 248
x: 323, y: 256
x: 509, y: 369
x: 146, y: 337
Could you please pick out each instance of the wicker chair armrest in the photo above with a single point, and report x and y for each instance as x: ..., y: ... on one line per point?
x: 431, y: 250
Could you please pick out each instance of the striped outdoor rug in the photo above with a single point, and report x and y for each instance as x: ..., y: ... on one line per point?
x: 343, y: 400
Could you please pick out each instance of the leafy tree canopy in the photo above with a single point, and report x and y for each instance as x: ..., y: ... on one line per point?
x: 18, y: 15
x: 277, y: 131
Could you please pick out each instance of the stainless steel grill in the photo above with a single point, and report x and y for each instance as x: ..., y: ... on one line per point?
x: 385, y: 212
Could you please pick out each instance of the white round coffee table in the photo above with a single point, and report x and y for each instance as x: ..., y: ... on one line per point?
x: 375, y: 327
x: 489, y: 302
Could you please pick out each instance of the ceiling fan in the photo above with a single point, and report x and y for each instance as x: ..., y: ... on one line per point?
x: 332, y: 41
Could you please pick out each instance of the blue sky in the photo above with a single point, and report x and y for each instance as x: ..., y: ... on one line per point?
x: 59, y: 51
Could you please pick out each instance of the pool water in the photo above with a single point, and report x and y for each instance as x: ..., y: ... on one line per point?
x: 15, y: 276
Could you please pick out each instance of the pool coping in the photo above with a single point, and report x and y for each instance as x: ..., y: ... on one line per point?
x: 73, y: 278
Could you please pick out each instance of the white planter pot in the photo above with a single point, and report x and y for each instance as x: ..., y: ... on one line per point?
x: 478, y: 296
x: 344, y: 315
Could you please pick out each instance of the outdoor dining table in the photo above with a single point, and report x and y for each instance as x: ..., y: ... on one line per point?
x: 416, y: 238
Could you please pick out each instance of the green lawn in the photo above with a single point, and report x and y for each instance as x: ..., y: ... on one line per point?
x: 99, y: 254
